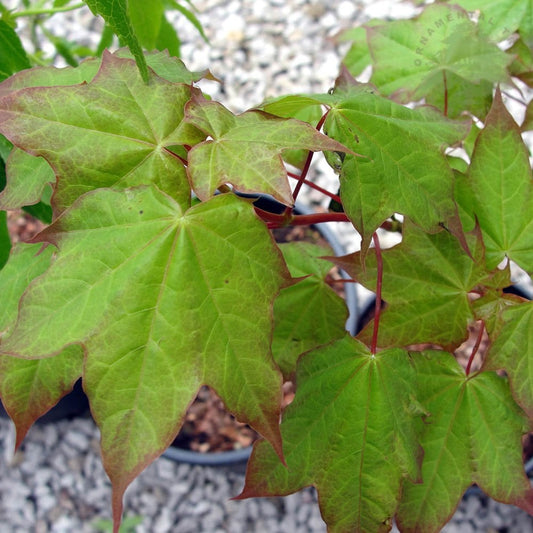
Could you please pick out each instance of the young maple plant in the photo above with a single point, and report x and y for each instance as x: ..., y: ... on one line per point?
x: 156, y: 276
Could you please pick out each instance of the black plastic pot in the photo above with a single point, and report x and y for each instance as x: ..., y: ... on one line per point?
x: 235, y: 457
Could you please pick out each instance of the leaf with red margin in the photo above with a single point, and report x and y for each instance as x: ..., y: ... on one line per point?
x: 438, y: 53
x: 511, y: 351
x: 245, y: 150
x: 27, y: 177
x: 500, y: 189
x: 472, y: 435
x: 404, y: 169
x: 114, y: 131
x: 164, y: 302
x: 354, y: 441
x: 29, y: 388
x: 162, y: 63
x: 426, y: 281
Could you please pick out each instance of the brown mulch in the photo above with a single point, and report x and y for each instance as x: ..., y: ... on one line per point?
x: 22, y: 226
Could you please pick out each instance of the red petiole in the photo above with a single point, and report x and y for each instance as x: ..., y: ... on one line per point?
x: 475, y: 348
x: 274, y: 220
x: 316, y: 187
x: 305, y: 169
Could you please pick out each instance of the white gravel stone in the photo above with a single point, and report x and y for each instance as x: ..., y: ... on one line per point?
x: 163, y: 522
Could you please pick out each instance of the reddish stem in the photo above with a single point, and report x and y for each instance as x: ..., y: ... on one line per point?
x: 379, y: 283
x: 475, y: 348
x: 333, y: 281
x: 274, y: 220
x: 301, y: 178
x: 316, y: 187
x: 305, y: 169
x: 171, y: 153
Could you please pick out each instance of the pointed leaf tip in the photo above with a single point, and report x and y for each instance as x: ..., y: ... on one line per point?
x: 126, y: 128
x: 245, y: 150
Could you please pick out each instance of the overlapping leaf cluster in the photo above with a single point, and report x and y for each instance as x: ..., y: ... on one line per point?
x: 149, y: 285
x: 196, y: 283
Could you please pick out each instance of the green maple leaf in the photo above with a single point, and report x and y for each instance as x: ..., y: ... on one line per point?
x: 165, y: 66
x: 496, y: 19
x: 245, y: 150
x: 308, y: 313
x: 27, y: 177
x: 472, y: 435
x: 13, y: 57
x: 438, y: 51
x: 310, y: 114
x: 358, y: 56
x: 145, y: 18
x: 404, y: 169
x: 329, y: 438
x: 113, y: 131
x: 511, y: 350
x: 5, y: 239
x: 499, y: 189
x: 163, y: 301
x: 30, y: 387
x: 426, y: 282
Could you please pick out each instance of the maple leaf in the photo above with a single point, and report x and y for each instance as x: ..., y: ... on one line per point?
x: 163, y: 301
x: 27, y: 177
x: 14, y: 57
x: 498, y: 20
x: 404, y: 169
x: 512, y: 344
x: 165, y: 66
x: 328, y: 438
x: 245, y: 150
x: 426, y: 282
x: 436, y: 54
x: 30, y: 387
x: 113, y: 131
x: 472, y: 435
x: 5, y: 240
x: 310, y: 114
x: 308, y: 313
x: 498, y: 190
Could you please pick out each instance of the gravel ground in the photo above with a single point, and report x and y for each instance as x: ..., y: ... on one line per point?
x: 56, y: 482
